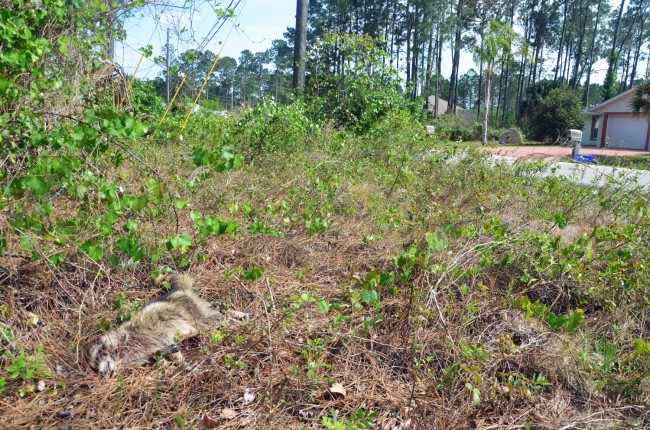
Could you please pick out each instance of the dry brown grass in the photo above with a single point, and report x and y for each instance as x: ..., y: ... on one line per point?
x: 377, y: 371
x: 411, y: 367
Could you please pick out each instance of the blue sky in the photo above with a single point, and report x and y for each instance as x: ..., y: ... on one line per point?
x: 258, y: 22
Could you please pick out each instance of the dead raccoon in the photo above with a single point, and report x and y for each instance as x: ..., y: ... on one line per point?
x: 156, y: 328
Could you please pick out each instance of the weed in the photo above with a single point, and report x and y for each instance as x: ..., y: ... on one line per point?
x: 231, y: 363
x: 361, y: 419
x: 25, y: 367
x: 6, y: 334
x: 181, y: 420
x: 217, y: 336
x: 126, y: 310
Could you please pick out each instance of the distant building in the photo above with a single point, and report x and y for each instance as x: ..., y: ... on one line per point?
x: 613, y: 124
x: 443, y: 105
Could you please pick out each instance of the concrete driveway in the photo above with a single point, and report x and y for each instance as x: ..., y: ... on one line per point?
x: 580, y: 173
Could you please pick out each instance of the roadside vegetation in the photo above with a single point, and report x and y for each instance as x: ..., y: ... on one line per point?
x: 395, y: 280
x: 641, y: 162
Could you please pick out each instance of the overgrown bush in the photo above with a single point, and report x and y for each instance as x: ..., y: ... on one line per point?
x: 495, y: 133
x: 357, y: 91
x: 145, y: 100
x: 534, y: 95
x: 271, y: 127
x: 211, y: 105
x: 560, y: 110
x: 456, y: 127
x: 372, y: 262
x: 62, y: 146
x: 398, y: 129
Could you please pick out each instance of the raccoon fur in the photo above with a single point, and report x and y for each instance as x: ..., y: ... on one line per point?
x: 156, y: 328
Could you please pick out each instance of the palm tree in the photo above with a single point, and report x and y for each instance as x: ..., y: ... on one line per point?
x: 640, y: 102
x: 495, y: 47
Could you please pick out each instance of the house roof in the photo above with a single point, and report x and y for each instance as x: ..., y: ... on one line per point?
x: 608, y: 101
x: 442, y: 104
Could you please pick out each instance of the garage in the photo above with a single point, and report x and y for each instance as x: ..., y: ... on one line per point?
x: 612, y: 124
x: 626, y: 131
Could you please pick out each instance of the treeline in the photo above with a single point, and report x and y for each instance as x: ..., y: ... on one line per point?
x: 233, y: 82
x: 564, y: 39
x: 560, y: 40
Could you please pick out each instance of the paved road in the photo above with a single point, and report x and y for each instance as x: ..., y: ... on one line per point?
x: 586, y: 174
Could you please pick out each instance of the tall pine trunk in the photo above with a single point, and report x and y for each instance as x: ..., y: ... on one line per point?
x: 480, y: 87
x: 559, y: 51
x: 453, y: 80
x: 300, y: 48
x: 426, y: 90
x: 507, y: 78
x: 591, y: 54
x: 415, y: 65
x: 581, y: 39
x: 637, y: 52
x: 409, y: 29
x: 610, y: 78
x: 486, y: 113
x: 635, y: 63
x: 438, y: 69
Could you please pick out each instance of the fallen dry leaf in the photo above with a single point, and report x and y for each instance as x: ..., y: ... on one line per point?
x: 207, y: 422
x: 228, y: 414
x: 336, y: 391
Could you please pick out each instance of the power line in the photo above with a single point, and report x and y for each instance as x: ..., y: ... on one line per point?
x: 220, y: 23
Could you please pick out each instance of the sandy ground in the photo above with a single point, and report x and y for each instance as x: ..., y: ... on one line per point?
x: 557, y: 152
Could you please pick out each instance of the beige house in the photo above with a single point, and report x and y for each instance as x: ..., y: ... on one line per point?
x: 612, y: 124
x: 442, y: 105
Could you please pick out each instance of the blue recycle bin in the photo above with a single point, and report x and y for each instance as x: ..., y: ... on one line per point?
x: 584, y: 158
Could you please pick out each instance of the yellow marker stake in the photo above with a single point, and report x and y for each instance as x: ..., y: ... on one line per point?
x: 205, y: 81
x: 169, y: 107
x: 128, y: 87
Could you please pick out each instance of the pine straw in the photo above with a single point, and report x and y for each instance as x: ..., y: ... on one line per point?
x: 377, y: 371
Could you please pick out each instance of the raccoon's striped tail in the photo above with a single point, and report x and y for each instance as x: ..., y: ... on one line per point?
x: 177, y: 281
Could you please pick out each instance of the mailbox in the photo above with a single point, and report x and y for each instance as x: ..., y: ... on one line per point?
x: 573, y: 136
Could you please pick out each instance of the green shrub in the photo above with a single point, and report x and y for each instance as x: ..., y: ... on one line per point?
x: 360, y: 94
x: 495, y: 133
x: 211, y: 105
x: 271, y: 127
x: 560, y: 110
x: 398, y: 128
x: 457, y: 127
x: 145, y: 100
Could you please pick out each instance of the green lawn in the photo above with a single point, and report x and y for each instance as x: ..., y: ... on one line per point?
x: 641, y: 162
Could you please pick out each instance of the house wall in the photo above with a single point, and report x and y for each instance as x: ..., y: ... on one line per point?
x: 619, y: 124
x: 586, y: 132
x: 620, y: 105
